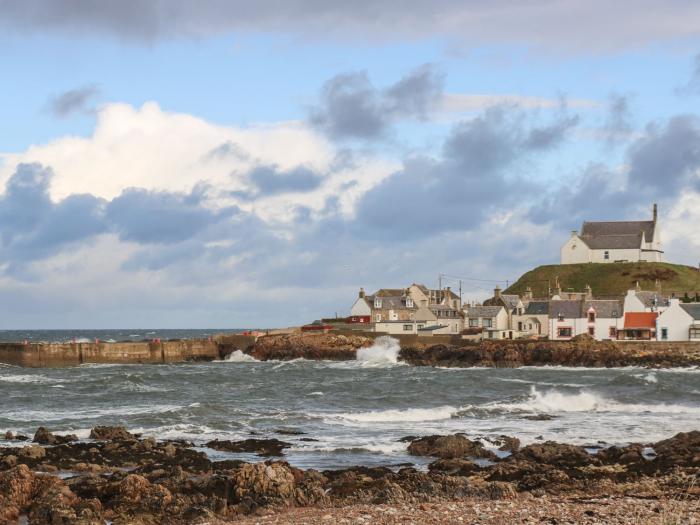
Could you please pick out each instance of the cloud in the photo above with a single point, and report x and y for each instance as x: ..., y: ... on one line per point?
x: 480, y: 174
x: 561, y: 25
x: 158, y: 217
x: 351, y: 107
x: 693, y: 85
x: 268, y: 180
x: 73, y: 101
x: 33, y: 227
x: 618, y: 124
x: 465, y: 102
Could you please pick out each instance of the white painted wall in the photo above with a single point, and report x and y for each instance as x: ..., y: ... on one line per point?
x: 632, y: 303
x: 360, y: 307
x: 676, y: 320
x: 575, y: 251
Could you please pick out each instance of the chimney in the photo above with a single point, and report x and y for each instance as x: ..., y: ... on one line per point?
x: 589, y: 292
x: 656, y: 212
x: 528, y: 294
x: 574, y: 233
x: 637, y: 286
x: 362, y: 293
x: 497, y: 292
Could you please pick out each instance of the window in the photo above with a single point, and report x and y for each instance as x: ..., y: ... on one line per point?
x: 591, y: 317
x: 409, y: 302
x: 664, y: 333
x: 377, y: 302
x: 529, y: 326
x: 613, y: 332
x: 420, y: 326
x: 694, y: 333
x: 606, y: 255
x: 473, y: 323
x: 488, y: 323
x: 564, y: 332
x: 560, y: 316
x: 408, y: 328
x: 591, y: 331
x: 378, y: 318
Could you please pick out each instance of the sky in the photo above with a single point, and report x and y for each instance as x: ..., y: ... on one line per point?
x: 253, y: 164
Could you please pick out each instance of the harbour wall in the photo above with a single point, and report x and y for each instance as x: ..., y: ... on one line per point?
x: 146, y: 352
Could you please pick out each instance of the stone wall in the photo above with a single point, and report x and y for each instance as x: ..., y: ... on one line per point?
x: 71, y: 354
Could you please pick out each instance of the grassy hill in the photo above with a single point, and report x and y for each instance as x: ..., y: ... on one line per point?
x: 612, y: 279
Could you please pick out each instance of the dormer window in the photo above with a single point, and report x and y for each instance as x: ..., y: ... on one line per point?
x: 377, y: 302
x: 606, y: 255
x: 591, y: 316
x: 409, y: 302
x: 561, y: 316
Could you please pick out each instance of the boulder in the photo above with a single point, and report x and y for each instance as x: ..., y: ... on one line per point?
x: 261, y: 447
x: 449, y: 447
x: 44, y: 437
x: 16, y: 492
x: 103, y: 433
x: 454, y: 467
x: 556, y: 454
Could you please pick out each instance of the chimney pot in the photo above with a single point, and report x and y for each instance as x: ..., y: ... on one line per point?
x: 362, y: 293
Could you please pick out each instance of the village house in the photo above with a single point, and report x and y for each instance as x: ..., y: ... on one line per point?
x: 599, y: 319
x: 617, y: 241
x: 533, y: 320
x: 679, y: 322
x: 490, y: 321
x: 414, y: 310
x: 638, y: 326
x: 645, y: 301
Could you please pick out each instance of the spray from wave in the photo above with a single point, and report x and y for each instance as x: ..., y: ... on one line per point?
x: 398, y: 416
x: 384, y: 352
x: 239, y: 357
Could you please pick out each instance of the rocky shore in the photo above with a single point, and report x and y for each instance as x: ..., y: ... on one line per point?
x: 122, y: 478
x: 583, y: 351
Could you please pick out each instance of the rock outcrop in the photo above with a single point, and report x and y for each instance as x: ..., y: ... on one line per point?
x: 309, y: 346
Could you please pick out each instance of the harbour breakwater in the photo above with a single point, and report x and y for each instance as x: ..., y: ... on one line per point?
x: 139, y: 352
x: 427, y: 351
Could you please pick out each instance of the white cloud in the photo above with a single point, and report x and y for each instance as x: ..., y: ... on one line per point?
x: 465, y: 102
x: 150, y: 148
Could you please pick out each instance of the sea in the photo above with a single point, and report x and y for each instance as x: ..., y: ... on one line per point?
x: 340, y: 414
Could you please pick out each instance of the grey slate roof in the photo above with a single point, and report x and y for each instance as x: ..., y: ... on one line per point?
x: 618, y: 228
x: 693, y: 309
x: 482, y: 311
x: 652, y: 299
x: 569, y: 309
x: 537, y: 308
x: 390, y: 302
x: 608, y: 309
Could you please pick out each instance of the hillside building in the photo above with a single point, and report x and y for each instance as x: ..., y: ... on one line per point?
x: 616, y: 241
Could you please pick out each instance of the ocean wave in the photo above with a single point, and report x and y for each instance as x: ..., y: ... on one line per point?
x: 95, y: 413
x: 383, y: 353
x: 398, y: 416
x: 28, y: 378
x: 238, y: 357
x: 553, y: 401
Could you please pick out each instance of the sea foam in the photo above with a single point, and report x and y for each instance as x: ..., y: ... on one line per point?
x: 239, y: 357
x: 393, y: 416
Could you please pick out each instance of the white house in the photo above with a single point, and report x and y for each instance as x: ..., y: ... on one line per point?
x: 618, y: 241
x: 679, y: 322
x: 491, y: 320
x: 642, y: 301
x: 599, y: 319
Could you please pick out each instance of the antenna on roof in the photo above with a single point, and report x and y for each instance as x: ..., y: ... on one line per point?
x: 655, y: 212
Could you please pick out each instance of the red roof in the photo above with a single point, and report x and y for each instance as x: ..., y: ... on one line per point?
x: 641, y: 319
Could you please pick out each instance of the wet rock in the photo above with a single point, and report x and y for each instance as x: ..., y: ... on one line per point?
x: 261, y: 447
x: 309, y: 346
x: 104, y: 433
x: 622, y: 455
x: 683, y: 449
x: 16, y: 492
x: 289, y: 432
x: 32, y: 452
x: 556, y: 454
x: 508, y: 444
x: 528, y: 475
x: 136, y: 495
x: 44, y: 437
x: 540, y: 417
x: 449, y: 447
x: 454, y: 467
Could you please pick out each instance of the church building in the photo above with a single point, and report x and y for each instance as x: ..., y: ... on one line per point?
x: 616, y: 241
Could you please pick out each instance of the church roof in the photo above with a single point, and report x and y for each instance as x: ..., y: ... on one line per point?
x: 617, y: 234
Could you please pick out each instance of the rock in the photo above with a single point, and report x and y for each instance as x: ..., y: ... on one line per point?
x: 44, y: 437
x: 32, y: 452
x: 261, y: 447
x: 540, y: 417
x: 556, y: 454
x: 683, y: 449
x: 16, y: 492
x: 137, y: 495
x: 454, y: 467
x: 111, y: 434
x: 449, y: 447
x: 308, y: 346
x: 509, y: 444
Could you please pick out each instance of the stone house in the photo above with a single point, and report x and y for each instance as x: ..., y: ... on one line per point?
x: 532, y: 320
x: 614, y: 241
x: 599, y: 319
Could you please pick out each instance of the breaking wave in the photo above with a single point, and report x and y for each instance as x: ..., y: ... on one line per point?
x: 384, y: 352
x: 393, y: 416
x: 28, y: 378
x: 239, y: 357
x: 552, y: 401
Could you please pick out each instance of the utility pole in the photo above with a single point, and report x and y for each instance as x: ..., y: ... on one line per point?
x: 460, y: 294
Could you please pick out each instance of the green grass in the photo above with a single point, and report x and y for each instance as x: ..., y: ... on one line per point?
x: 613, y: 279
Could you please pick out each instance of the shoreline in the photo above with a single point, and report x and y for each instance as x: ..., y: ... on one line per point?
x: 125, y: 478
x: 341, y: 347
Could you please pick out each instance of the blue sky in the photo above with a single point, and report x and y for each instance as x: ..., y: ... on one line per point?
x: 244, y: 166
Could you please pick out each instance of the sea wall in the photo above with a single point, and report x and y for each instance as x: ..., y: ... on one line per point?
x: 71, y: 354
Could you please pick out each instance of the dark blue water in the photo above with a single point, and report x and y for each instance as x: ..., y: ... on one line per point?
x: 111, y: 335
